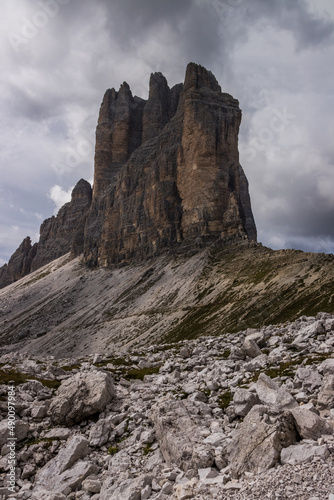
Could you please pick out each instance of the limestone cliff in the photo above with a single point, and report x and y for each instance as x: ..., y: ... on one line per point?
x: 58, y: 236
x: 167, y: 172
x: 65, y: 232
x: 167, y: 177
x: 19, y: 264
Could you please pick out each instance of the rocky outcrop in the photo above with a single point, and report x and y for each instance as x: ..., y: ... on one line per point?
x: 81, y: 396
x: 65, y: 232
x: 58, y: 236
x: 167, y: 173
x: 262, y: 436
x: 167, y: 177
x: 19, y: 264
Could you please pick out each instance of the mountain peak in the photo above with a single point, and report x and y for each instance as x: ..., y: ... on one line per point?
x: 167, y: 178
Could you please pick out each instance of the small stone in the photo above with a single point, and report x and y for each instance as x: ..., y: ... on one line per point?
x: 207, y: 473
x: 91, y: 485
x: 167, y: 488
x: 146, y: 492
x: 232, y: 485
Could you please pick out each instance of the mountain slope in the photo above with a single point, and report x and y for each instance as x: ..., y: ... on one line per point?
x: 66, y: 309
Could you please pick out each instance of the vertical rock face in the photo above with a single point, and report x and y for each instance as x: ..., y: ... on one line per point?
x: 19, y: 264
x: 167, y: 177
x: 65, y: 232
x: 118, y: 134
x: 58, y: 236
x: 176, y: 181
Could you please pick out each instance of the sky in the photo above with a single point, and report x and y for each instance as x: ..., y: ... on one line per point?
x: 275, y: 56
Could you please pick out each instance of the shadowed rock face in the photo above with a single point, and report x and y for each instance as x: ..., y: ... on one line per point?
x: 19, y: 264
x: 58, y: 236
x: 64, y: 233
x: 167, y: 178
x: 167, y: 171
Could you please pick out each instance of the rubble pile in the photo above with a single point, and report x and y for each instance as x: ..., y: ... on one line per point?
x: 240, y: 416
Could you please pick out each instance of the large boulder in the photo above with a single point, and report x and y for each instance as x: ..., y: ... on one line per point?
x: 124, y: 489
x: 261, y: 437
x: 301, y: 453
x: 66, y: 471
x: 310, y: 425
x: 80, y: 396
x: 251, y: 348
x: 179, y: 435
x: 326, y: 394
x: 273, y: 395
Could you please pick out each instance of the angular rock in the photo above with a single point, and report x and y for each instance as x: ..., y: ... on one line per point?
x: 80, y: 396
x: 327, y: 366
x: 69, y: 480
x: 185, y: 490
x: 260, y: 439
x: 129, y: 489
x: 21, y: 431
x: 326, y: 394
x: 179, y: 436
x: 207, y: 473
x: 258, y: 363
x: 99, y: 433
x: 91, y: 485
x: 272, y: 395
x: 66, y: 470
x: 244, y: 401
x: 251, y: 348
x: 307, y: 378
x: 256, y: 335
x: 302, y: 453
x: 310, y: 425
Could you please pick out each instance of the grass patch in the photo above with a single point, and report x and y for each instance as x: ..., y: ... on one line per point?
x: 70, y: 368
x: 225, y: 399
x: 112, y: 450
x: 139, y: 373
x: 147, y: 449
x: 46, y: 442
x: 113, y: 361
x: 22, y: 378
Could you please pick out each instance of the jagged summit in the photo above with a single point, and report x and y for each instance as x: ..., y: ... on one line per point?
x: 167, y: 177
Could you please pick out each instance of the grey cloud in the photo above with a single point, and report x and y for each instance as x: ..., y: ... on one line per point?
x: 92, y: 45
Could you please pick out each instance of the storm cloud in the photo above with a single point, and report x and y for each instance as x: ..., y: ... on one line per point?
x: 276, y: 57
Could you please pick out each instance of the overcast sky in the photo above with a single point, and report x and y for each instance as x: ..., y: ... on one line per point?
x: 275, y: 56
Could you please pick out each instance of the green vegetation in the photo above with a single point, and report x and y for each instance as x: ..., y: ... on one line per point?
x: 45, y: 442
x: 22, y: 378
x: 147, y: 449
x: 70, y: 368
x: 225, y: 399
x: 113, y: 361
x: 139, y: 373
x: 112, y: 450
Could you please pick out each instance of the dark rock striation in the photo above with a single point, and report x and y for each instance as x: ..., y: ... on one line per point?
x: 167, y: 172
x: 167, y: 177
